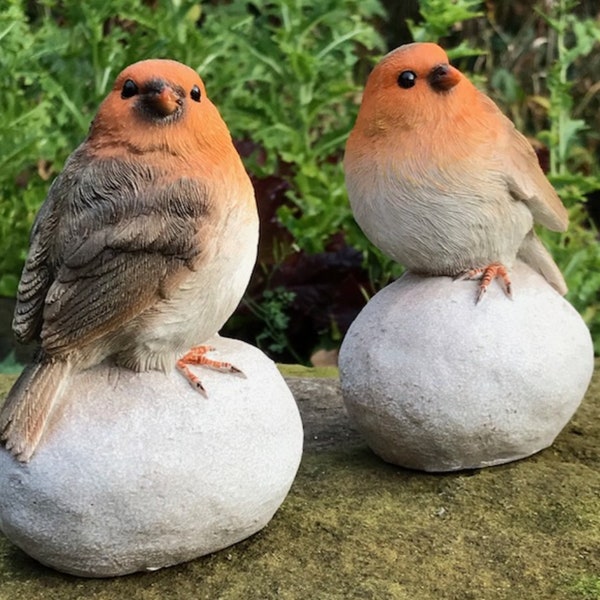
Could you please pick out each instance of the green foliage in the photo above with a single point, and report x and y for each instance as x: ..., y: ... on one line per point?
x: 587, y: 587
x: 582, y: 36
x: 440, y: 17
x: 293, y: 92
x: 577, y: 251
x: 271, y: 310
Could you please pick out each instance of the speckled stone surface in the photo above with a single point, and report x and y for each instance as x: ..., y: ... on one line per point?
x: 436, y: 382
x: 140, y: 471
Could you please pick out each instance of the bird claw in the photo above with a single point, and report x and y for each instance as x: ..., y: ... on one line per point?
x: 234, y: 369
x: 197, y: 356
x: 486, y: 275
x: 481, y: 293
x: 197, y: 384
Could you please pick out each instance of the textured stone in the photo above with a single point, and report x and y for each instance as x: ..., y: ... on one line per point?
x: 142, y: 472
x: 326, y: 423
x: 435, y: 382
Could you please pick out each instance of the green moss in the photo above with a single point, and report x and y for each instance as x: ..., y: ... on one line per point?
x: 588, y: 587
x: 302, y: 371
x: 355, y: 527
x: 6, y: 382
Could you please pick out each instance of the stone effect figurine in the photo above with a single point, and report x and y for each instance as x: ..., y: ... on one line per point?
x: 142, y: 249
x: 442, y: 182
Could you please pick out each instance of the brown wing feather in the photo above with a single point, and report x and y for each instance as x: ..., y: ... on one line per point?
x: 528, y: 183
x: 36, y: 277
x: 124, y: 235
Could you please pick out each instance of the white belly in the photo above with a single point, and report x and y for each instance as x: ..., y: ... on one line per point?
x: 200, y: 307
x: 430, y: 230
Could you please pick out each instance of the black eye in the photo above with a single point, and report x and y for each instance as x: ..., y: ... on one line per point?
x: 407, y: 79
x: 129, y: 89
x: 195, y: 94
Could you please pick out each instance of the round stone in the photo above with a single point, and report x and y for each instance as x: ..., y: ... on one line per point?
x: 437, y: 382
x: 139, y: 471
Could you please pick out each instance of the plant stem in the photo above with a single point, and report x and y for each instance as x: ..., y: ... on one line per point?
x: 563, y: 116
x: 558, y: 158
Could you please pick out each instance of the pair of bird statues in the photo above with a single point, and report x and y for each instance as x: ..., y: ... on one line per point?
x: 146, y: 240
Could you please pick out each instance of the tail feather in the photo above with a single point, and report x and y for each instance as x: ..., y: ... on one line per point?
x: 533, y: 252
x: 24, y: 415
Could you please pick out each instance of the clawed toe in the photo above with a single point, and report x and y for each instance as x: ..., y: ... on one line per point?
x: 486, y: 275
x: 197, y: 356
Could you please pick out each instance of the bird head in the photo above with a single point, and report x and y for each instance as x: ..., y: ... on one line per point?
x: 158, y: 92
x: 412, y: 86
x: 157, y: 104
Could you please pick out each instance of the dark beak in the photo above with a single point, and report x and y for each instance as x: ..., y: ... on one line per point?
x: 161, y: 98
x: 443, y: 77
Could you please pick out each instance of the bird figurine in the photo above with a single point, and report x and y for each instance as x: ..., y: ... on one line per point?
x: 141, y: 250
x: 441, y: 181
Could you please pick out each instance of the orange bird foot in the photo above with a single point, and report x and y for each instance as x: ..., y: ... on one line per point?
x: 486, y: 275
x: 197, y: 356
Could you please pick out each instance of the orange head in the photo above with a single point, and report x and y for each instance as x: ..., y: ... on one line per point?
x: 413, y: 86
x: 157, y: 105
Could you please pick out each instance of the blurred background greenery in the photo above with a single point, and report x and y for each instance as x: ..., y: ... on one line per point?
x: 287, y: 76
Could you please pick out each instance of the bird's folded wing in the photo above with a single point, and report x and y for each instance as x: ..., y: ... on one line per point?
x: 528, y: 183
x: 36, y: 276
x: 124, y: 241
